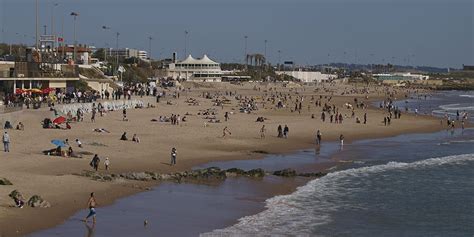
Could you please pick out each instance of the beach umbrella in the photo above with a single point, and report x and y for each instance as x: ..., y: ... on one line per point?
x: 36, y: 91
x: 59, y: 120
x: 58, y: 143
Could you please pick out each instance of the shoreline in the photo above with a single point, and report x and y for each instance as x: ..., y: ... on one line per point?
x: 111, y: 192
x: 136, y: 187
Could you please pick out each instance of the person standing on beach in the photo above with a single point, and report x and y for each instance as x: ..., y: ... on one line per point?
x: 319, y: 137
x: 6, y: 142
x: 91, y: 204
x: 173, y: 156
x: 365, y: 118
x: 262, y: 132
x: 280, y: 131
x: 286, y: 130
x: 107, y: 163
x: 341, y: 139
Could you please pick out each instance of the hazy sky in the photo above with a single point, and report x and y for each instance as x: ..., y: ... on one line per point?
x: 422, y: 32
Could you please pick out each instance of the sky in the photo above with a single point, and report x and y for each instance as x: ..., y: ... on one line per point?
x: 436, y: 33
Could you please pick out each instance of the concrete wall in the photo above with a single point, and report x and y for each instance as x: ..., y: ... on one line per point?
x: 99, y: 86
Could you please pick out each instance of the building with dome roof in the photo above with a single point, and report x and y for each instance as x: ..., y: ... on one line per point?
x: 192, y: 69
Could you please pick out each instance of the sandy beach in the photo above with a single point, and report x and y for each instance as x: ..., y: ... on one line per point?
x: 197, y: 140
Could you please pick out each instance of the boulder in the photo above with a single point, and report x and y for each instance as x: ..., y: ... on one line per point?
x: 15, y: 194
x: 235, y: 172
x: 255, y: 173
x: 4, y: 181
x: 139, y: 176
x: 318, y: 174
x: 285, y: 173
x: 38, y: 201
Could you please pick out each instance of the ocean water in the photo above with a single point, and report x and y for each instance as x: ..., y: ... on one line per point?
x: 441, y: 104
x: 432, y: 197
x: 409, y: 185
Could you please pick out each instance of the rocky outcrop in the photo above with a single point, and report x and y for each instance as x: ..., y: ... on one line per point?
x: 34, y: 201
x: 208, y: 174
x: 285, y: 173
x: 255, y: 173
x: 38, y: 201
x: 4, y: 181
x: 15, y: 194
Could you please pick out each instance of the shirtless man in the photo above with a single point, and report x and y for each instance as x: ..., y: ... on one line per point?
x: 91, y: 204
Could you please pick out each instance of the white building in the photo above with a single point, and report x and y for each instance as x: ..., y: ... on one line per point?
x: 401, y: 76
x: 127, y: 53
x: 306, y: 76
x: 142, y: 55
x: 191, y: 69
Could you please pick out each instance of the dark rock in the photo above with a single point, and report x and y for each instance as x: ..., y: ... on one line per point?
x: 208, y: 173
x: 255, y: 173
x: 285, y: 173
x: 15, y: 194
x: 235, y: 172
x: 139, y: 176
x: 4, y: 181
x: 318, y: 174
x: 38, y: 201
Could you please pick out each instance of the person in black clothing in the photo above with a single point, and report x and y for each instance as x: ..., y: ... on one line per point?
x: 286, y: 130
x: 95, y: 162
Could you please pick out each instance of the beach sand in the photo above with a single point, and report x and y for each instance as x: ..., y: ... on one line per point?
x: 53, y: 178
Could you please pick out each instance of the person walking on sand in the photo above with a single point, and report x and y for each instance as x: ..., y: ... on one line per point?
x: 91, y: 204
x: 262, y: 132
x: 6, y: 142
x: 95, y: 162
x: 93, y: 115
x: 173, y: 156
x: 225, y: 131
x: 286, y: 130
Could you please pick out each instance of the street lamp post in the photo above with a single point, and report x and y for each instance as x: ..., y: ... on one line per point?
x: 245, y: 49
x: 279, y: 59
x: 117, y: 34
x: 265, y: 49
x: 52, y: 17
x: 105, y: 49
x: 185, y: 42
x: 75, y: 15
x: 149, y: 47
x: 36, y: 27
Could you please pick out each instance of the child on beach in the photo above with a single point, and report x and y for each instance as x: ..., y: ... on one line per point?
x: 135, y: 138
x: 107, y: 163
x: 79, y: 143
x: 173, y: 156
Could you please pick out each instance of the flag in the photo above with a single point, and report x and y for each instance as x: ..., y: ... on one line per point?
x: 60, y: 39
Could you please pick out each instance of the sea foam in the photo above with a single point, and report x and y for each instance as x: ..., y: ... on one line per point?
x: 296, y: 213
